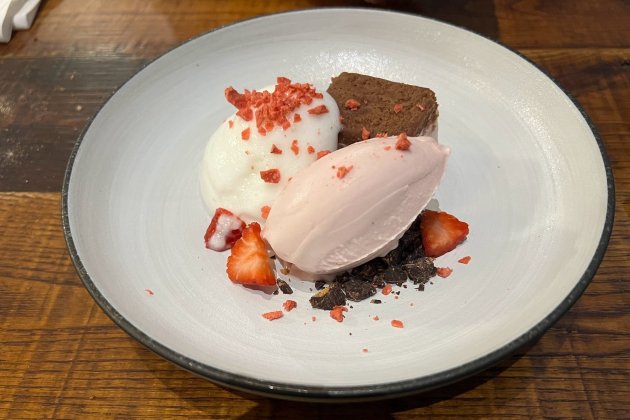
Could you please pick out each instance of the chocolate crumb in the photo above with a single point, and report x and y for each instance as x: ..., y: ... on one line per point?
x: 284, y: 287
x: 328, y: 298
x: 275, y: 292
x: 320, y: 284
x: 358, y: 290
x: 376, y: 301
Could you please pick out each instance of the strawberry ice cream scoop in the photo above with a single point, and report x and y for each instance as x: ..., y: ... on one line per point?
x: 354, y: 204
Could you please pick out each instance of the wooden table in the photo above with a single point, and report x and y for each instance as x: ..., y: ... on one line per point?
x: 62, y: 357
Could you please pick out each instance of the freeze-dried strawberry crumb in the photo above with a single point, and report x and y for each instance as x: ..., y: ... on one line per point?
x: 289, y: 304
x: 387, y: 289
x: 313, y: 318
x: 271, y: 176
x: 397, y: 323
x: 245, y: 134
x: 297, y: 118
x: 230, y: 123
x: 387, y: 147
x: 337, y: 313
x: 381, y: 135
x: 270, y: 109
x: 365, y: 134
x: 264, y: 212
x: 149, y: 292
x: 275, y: 150
x: 322, y: 153
x: 402, y: 142
x: 272, y: 315
x: 464, y: 260
x: 352, y: 104
x: 398, y: 108
x: 444, y: 272
x: 310, y: 149
x: 295, y: 148
x: 318, y: 110
x: 364, y: 350
x: 342, y: 171
x: 375, y: 318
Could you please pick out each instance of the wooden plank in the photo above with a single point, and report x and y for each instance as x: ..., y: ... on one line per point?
x: 62, y: 357
x: 45, y: 104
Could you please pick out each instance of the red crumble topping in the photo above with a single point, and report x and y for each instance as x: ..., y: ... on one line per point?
x: 337, y: 313
x: 444, y: 272
x: 245, y: 134
x: 271, y: 176
x: 270, y: 109
x: 420, y: 106
x: 402, y: 142
x: 310, y: 149
x: 365, y: 134
x: 342, y: 171
x: 318, y: 110
x: 398, y: 108
x: 322, y: 153
x: 297, y: 118
x: 230, y: 123
x: 381, y: 135
x: 387, y: 289
x: 352, y: 104
x: 295, y: 148
x: 275, y: 150
x: 289, y: 304
x: 376, y: 318
x: 272, y: 315
x: 313, y: 318
x: 464, y: 260
x: 397, y: 323
x: 364, y: 350
x: 264, y: 212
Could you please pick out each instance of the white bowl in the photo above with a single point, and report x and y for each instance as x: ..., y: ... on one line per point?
x: 526, y: 172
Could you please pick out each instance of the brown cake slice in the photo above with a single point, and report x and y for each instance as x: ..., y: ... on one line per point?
x: 380, y: 106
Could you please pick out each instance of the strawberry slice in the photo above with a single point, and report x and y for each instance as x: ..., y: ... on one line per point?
x: 224, y: 230
x: 249, y: 263
x: 441, y: 232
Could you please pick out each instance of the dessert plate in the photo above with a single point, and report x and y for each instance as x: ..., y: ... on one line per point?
x: 526, y: 172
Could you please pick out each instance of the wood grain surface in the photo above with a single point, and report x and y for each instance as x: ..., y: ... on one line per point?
x: 61, y: 357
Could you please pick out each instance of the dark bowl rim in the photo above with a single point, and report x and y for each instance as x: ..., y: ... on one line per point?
x: 340, y: 393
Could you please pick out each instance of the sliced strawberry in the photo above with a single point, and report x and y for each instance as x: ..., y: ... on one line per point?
x: 441, y: 232
x: 249, y: 263
x: 272, y: 315
x: 289, y: 304
x: 224, y: 230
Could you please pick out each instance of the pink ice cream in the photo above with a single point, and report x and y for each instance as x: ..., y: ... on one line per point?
x: 323, y: 223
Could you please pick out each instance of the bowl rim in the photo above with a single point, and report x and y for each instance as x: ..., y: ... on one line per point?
x: 342, y: 393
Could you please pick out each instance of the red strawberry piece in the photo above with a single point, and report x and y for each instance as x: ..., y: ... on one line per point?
x: 444, y: 272
x: 275, y: 150
x: 310, y: 149
x: 271, y: 176
x: 387, y: 289
x: 318, y: 110
x: 295, y: 148
x: 464, y: 260
x: 398, y: 108
x: 337, y: 313
x: 322, y: 153
x: 273, y: 315
x: 352, y: 104
x: 402, y: 142
x: 249, y: 263
x: 245, y: 134
x: 297, y: 118
x: 397, y: 323
x: 289, y: 304
x: 441, y: 232
x: 224, y: 230
x: 342, y: 171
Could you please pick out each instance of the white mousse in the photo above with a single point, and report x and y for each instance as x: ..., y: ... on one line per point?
x: 230, y: 169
